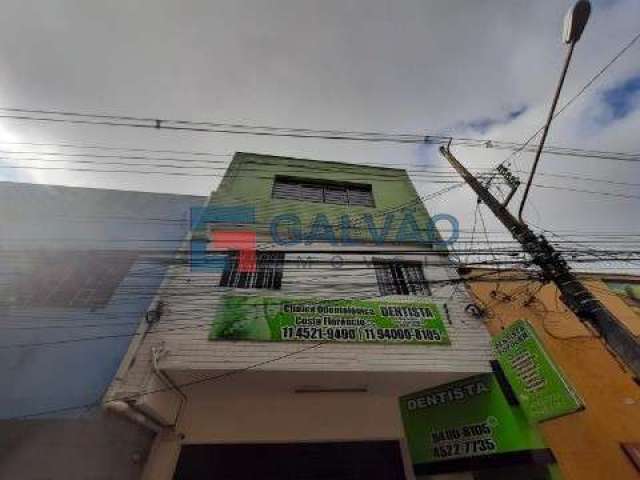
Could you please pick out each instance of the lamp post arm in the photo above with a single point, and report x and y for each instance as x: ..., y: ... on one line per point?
x: 545, y: 131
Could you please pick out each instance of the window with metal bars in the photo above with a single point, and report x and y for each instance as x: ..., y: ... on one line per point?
x: 400, y: 277
x: 268, y: 273
x: 310, y: 190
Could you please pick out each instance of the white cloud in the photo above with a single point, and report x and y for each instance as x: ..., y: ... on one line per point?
x: 409, y: 66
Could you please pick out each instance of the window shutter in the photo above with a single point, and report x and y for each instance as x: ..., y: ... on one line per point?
x: 286, y: 190
x: 335, y: 194
x: 311, y: 192
x: 360, y: 196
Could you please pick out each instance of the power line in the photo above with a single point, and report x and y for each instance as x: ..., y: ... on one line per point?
x: 415, y: 173
x: 209, y: 175
x: 269, y: 131
x: 205, y: 379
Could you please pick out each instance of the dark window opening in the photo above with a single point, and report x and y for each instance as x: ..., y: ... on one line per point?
x: 400, y: 277
x: 309, y: 190
x: 268, y: 272
x: 371, y: 460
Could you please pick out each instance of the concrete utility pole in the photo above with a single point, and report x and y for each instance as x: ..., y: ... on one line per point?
x: 555, y: 269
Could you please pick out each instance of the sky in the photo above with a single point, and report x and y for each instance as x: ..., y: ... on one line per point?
x: 481, y: 69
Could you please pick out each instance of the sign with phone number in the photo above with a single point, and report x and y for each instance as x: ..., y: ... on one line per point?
x: 463, y: 419
x: 358, y: 321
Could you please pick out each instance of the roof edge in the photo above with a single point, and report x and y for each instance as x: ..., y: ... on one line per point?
x: 71, y: 187
x: 239, y: 156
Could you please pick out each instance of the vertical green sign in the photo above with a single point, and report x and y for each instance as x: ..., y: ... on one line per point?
x: 468, y: 418
x: 541, y: 389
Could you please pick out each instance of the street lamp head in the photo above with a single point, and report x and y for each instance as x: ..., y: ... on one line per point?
x: 575, y: 21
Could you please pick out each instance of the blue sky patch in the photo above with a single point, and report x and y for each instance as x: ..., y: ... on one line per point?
x: 513, y: 114
x: 620, y: 99
x: 482, y: 125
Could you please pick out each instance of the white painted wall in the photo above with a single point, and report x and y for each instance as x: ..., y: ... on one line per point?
x: 191, y: 300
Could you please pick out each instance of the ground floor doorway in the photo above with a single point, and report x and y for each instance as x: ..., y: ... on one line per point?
x: 368, y: 460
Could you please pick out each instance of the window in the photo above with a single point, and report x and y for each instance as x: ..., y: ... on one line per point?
x: 309, y: 190
x: 65, y: 278
x: 400, y: 278
x: 336, y: 194
x: 268, y: 272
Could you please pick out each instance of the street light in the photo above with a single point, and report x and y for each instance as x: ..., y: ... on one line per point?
x: 574, y: 23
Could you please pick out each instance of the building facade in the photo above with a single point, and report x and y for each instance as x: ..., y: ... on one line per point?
x: 602, y: 439
x: 79, y: 269
x: 228, y: 399
x: 277, y: 329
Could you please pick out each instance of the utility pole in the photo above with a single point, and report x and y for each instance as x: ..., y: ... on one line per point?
x: 555, y: 269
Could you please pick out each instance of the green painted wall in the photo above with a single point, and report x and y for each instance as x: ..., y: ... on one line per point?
x: 250, y: 177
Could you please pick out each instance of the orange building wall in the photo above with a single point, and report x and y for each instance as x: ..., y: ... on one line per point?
x: 586, y: 443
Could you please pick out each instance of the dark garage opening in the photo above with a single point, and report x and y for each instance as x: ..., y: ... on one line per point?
x: 299, y: 461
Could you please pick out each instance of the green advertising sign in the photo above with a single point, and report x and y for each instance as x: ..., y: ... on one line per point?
x: 468, y: 418
x: 361, y: 321
x: 541, y: 389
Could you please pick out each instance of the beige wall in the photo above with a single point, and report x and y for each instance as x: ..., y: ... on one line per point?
x: 262, y: 407
x: 215, y: 415
x: 585, y: 443
x: 258, y: 407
